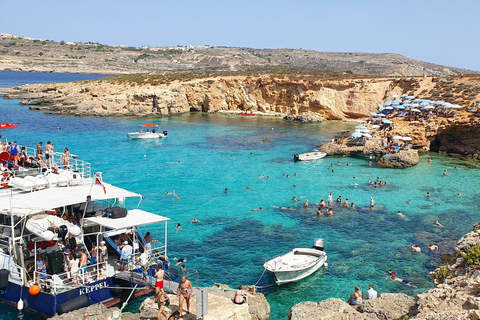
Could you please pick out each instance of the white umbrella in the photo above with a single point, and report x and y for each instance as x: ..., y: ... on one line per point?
x: 429, y: 107
x: 406, y: 139
x: 388, y: 108
x: 395, y: 96
x: 397, y: 138
x: 375, y: 126
x: 415, y: 110
x: 366, y: 135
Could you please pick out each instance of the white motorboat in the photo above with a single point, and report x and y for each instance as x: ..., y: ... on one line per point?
x: 148, y: 131
x: 298, y: 263
x: 309, y: 156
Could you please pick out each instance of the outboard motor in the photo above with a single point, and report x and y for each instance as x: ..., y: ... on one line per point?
x: 318, y: 244
x: 165, y: 133
x: 295, y: 157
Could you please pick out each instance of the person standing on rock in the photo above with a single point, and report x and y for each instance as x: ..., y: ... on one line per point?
x: 184, y: 292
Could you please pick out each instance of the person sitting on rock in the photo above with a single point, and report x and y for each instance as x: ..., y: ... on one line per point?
x: 240, y: 296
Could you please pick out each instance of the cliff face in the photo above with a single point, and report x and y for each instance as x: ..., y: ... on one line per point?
x: 330, y: 99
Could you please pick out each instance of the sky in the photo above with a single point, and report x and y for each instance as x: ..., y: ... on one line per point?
x: 442, y: 32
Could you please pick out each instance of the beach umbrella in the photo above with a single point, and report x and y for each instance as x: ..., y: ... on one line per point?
x: 406, y: 139
x: 410, y: 97
x: 429, y: 107
x: 406, y: 101
x: 388, y: 103
x: 406, y: 105
x: 414, y: 105
x: 397, y: 101
x: 379, y: 115
x: 364, y: 131
x: 356, y: 135
x: 388, y: 108
x: 400, y: 107
x: 381, y: 108
x: 417, y: 100
x: 395, y: 96
x: 360, y: 127
x: 424, y: 103
x: 404, y: 96
x: 397, y: 137
x: 415, y: 110
x: 456, y: 106
x: 373, y: 113
x: 366, y: 135
x: 375, y: 126
x: 387, y: 121
x: 439, y: 102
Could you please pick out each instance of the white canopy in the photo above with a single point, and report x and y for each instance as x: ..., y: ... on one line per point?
x: 135, y: 217
x: 47, y: 199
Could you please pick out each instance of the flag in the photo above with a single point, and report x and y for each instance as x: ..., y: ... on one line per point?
x: 97, y: 181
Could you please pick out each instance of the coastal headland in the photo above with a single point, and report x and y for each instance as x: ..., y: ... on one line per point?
x: 301, y: 98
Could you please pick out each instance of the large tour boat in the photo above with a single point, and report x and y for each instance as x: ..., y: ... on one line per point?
x: 46, y: 223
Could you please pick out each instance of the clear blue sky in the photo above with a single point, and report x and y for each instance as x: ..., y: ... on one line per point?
x: 443, y: 32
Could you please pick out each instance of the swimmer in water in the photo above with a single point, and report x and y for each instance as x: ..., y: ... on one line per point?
x: 427, y: 194
x: 436, y: 223
x: 401, y: 215
x: 432, y: 247
x: 194, y: 220
x: 416, y: 248
x: 295, y: 199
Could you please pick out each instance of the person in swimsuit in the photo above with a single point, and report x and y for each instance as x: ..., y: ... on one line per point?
x: 163, y: 301
x: 66, y: 158
x: 159, y: 279
x: 356, y: 297
x: 103, y: 253
x: 39, y: 151
x: 240, y: 296
x: 432, y: 247
x: 93, y: 254
x: 184, y: 292
x: 14, y: 153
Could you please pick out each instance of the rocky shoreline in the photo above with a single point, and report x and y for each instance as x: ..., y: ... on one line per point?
x: 456, y: 296
x: 220, y: 307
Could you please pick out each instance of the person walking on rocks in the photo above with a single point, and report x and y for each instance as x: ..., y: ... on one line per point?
x: 184, y: 292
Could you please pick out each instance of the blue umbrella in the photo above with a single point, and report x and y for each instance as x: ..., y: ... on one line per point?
x: 406, y: 101
x: 428, y: 107
x: 404, y: 96
x: 381, y: 108
x: 388, y: 103
x: 356, y: 134
x: 387, y: 121
x: 410, y: 97
x: 406, y: 104
x: 380, y: 115
x: 439, y: 102
x: 373, y: 113
x: 417, y: 100
x: 397, y: 101
x: 424, y: 103
x: 427, y: 101
x: 400, y: 107
x: 360, y: 127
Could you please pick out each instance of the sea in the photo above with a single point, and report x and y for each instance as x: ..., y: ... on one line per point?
x: 205, y: 154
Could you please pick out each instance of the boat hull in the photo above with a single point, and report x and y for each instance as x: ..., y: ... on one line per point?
x: 309, y: 156
x: 47, y: 304
x: 146, y: 135
x: 296, y: 264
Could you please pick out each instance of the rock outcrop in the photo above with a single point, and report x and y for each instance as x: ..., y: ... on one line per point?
x: 456, y: 295
x: 400, y: 160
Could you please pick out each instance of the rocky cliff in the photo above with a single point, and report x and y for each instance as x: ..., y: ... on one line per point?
x: 455, y: 297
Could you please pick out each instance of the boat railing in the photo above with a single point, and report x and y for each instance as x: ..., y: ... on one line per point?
x: 60, y: 282
x: 56, y: 159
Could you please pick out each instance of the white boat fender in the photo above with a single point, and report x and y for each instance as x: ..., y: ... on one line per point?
x: 20, y: 305
x: 325, y: 264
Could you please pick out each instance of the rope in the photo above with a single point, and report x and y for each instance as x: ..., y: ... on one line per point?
x: 255, y: 285
x: 126, y: 301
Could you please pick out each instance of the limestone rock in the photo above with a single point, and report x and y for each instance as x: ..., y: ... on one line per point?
x: 389, y: 306
x: 402, y: 159
x: 330, y: 309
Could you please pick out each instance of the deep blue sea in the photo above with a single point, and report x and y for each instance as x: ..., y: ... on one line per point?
x: 206, y: 153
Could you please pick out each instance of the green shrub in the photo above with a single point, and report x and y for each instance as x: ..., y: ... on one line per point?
x: 442, y: 272
x: 472, y: 257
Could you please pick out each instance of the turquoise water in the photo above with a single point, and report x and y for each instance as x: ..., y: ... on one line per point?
x: 204, y: 154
